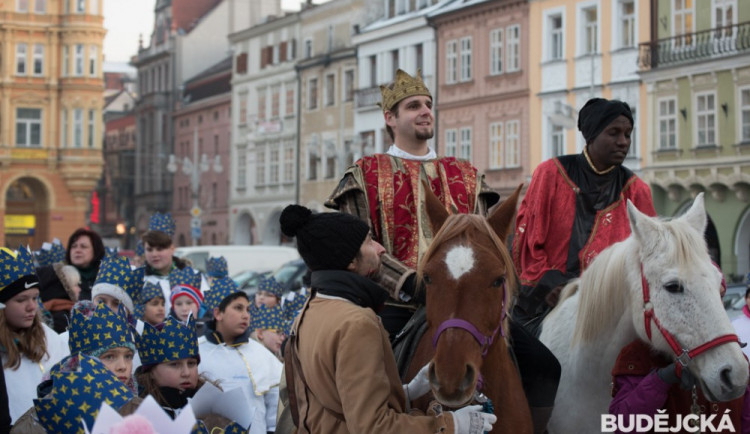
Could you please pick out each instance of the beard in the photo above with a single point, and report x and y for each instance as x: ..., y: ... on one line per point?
x: 425, y: 135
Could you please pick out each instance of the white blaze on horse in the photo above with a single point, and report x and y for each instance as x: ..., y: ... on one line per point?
x: 665, y: 263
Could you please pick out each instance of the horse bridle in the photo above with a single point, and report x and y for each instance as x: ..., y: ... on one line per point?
x: 684, y: 356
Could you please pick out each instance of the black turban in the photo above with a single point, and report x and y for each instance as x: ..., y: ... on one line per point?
x: 597, y: 113
x: 326, y: 241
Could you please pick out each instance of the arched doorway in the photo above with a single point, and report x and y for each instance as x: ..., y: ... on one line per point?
x: 244, y: 230
x: 26, y: 213
x: 272, y: 232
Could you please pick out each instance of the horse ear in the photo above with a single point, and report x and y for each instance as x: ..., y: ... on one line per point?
x: 436, y: 212
x: 641, y: 225
x: 502, y: 217
x: 695, y: 216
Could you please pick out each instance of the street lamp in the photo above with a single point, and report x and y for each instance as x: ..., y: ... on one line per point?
x: 194, y: 171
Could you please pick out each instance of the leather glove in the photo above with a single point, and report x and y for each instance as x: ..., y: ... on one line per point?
x: 668, y: 374
x: 419, y: 385
x: 471, y: 420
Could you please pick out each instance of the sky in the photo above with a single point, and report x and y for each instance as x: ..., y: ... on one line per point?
x: 125, y: 20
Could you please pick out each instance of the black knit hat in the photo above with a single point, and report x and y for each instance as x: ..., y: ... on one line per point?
x: 326, y: 241
x: 597, y: 113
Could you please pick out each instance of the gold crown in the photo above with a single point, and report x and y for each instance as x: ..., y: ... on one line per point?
x: 402, y: 87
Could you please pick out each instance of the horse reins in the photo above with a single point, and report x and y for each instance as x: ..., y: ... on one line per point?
x: 484, y: 341
x: 684, y: 356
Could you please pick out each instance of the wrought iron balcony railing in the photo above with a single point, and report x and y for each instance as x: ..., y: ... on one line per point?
x: 695, y: 47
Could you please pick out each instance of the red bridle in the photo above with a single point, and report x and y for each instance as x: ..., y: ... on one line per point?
x: 684, y: 356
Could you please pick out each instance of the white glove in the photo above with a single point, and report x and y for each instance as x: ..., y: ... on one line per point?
x: 471, y: 420
x: 419, y: 385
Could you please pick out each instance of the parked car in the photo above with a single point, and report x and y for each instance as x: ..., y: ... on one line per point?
x: 239, y: 258
x: 249, y: 278
x: 734, y: 299
x: 289, y: 275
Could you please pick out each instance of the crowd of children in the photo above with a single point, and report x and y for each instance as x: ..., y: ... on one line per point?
x: 162, y: 329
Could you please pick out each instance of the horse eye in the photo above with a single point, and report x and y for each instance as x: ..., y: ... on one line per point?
x: 674, y: 287
x: 500, y: 281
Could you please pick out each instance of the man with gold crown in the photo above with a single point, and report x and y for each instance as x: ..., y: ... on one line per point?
x: 387, y: 191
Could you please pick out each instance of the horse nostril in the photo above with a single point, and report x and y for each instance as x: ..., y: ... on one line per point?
x: 726, y: 376
x: 468, y: 378
x: 431, y: 374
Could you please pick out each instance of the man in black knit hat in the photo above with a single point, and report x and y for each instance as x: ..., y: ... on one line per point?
x: 340, y: 370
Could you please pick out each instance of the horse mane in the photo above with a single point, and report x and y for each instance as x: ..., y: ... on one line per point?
x: 470, y: 227
x: 603, y: 284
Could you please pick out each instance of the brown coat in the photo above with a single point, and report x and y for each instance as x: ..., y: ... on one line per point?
x: 351, y: 374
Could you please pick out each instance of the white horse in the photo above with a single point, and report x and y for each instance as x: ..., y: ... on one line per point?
x: 603, y: 311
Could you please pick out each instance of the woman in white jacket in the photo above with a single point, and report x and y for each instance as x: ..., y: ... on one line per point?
x: 27, y: 346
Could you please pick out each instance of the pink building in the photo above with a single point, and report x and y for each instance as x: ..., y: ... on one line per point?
x: 483, y: 88
x: 201, y: 148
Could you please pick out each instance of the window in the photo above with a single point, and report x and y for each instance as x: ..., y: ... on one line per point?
x: 723, y: 17
x: 38, y: 59
x: 78, y: 62
x: 273, y: 167
x: 591, y: 30
x: 289, y: 100
x: 308, y: 48
x: 420, y: 56
x: 80, y: 6
x: 348, y: 85
x: 260, y: 168
x: 92, y: 124
x: 28, y: 127
x: 705, y: 119
x: 262, y: 105
x: 40, y: 6
x: 627, y: 23
x: 466, y: 59
x: 373, y: 71
x: 66, y: 61
x: 275, y: 101
x: 557, y: 140
x: 667, y: 121
x: 512, y: 144
x: 78, y: 128
x: 21, y: 59
x: 496, y: 53
x: 394, y: 60
x: 556, y: 37
x: 241, y: 168
x: 683, y: 21
x: 513, y: 33
x: 451, y: 62
x: 93, y: 54
x: 464, y: 149
x: 242, y: 109
x: 745, y: 115
x: 289, y: 163
x: 64, y: 128
x: 450, y: 143
x: 496, y: 145
x: 22, y: 5
x: 330, y: 89
x: 312, y: 94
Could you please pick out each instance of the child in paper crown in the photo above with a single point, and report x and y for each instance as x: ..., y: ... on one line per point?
x: 269, y: 293
x: 117, y: 284
x: 28, y: 348
x: 269, y: 328
x: 150, y: 307
x: 186, y: 297
x: 232, y: 358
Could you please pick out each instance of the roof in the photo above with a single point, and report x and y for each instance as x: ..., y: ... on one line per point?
x: 186, y: 14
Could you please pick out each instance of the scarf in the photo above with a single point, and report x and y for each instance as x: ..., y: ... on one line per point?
x: 88, y: 274
x: 358, y: 289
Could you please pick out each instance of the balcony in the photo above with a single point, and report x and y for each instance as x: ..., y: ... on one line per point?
x: 695, y: 47
x: 367, y: 98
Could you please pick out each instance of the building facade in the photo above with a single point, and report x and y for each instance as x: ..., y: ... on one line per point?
x: 51, y: 98
x: 483, y: 87
x: 327, y: 73
x: 696, y: 68
x: 202, y: 139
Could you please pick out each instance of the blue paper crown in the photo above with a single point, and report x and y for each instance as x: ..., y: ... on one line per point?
x: 220, y: 289
x: 15, y: 265
x: 111, y: 252
x: 217, y: 267
x: 117, y: 271
x: 149, y: 291
x: 50, y: 253
x: 270, y: 285
x: 77, y: 395
x: 186, y: 276
x: 268, y: 318
x: 139, y: 249
x: 172, y: 341
x: 103, y: 330
x: 293, y: 304
x: 162, y: 222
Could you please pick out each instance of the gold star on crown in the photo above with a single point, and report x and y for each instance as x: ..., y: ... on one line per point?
x: 402, y: 87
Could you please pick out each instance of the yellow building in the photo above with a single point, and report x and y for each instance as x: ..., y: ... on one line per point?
x: 51, y: 99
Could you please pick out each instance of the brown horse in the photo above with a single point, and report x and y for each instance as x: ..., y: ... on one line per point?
x: 468, y: 275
